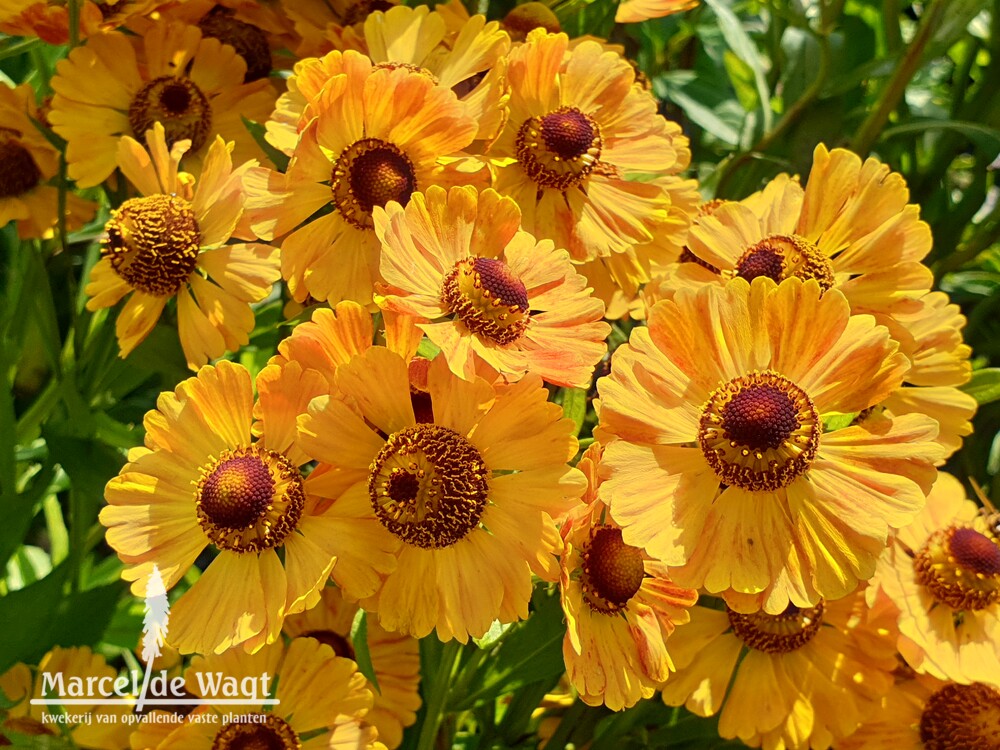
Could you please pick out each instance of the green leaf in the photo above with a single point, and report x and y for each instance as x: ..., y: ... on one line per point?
x: 741, y: 76
x: 574, y: 404
x: 984, y: 386
x: 688, y: 100
x: 359, y: 641
x: 491, y: 636
x: 985, y: 137
x: 838, y: 421
x: 531, y: 652
x: 258, y: 132
x: 743, y: 47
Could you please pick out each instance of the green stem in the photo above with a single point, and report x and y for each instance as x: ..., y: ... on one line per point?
x: 438, y: 698
x: 892, y: 95
x: 74, y: 23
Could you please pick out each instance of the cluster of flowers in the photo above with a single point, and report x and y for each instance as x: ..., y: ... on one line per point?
x: 454, y: 207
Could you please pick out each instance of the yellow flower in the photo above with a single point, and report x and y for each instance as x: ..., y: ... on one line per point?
x: 171, y: 242
x: 636, y: 11
x: 395, y: 659
x: 29, y: 163
x: 796, y: 680
x: 943, y: 575
x: 461, y: 477
x: 927, y: 714
x: 720, y: 404
x: 119, y: 85
x: 469, y: 61
x: 320, y: 696
x: 377, y: 136
x: 256, y: 30
x: 202, y: 479
x: 326, y: 25
x: 98, y: 727
x: 504, y: 303
x: 620, y: 606
x: 579, y: 138
x: 930, y: 334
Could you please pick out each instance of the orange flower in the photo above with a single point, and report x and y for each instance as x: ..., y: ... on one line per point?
x: 799, y: 679
x: 202, y: 479
x: 378, y: 136
x: 459, y: 477
x: 504, y: 303
x: 90, y: 727
x: 720, y: 407
x: 395, y: 659
x: 49, y: 21
x: 29, y: 163
x: 943, y: 576
x: 318, y: 695
x: 580, y: 138
x: 171, y: 241
x: 620, y: 605
x: 119, y: 85
x: 470, y: 60
x: 927, y: 714
x: 636, y: 11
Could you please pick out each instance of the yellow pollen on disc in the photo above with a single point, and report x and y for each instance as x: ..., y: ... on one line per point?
x: 368, y: 173
x: 489, y: 298
x: 560, y: 149
x: 961, y: 717
x: 18, y: 171
x: 612, y: 571
x: 777, y: 634
x: 249, y: 41
x: 780, y: 257
x: 178, y: 104
x: 429, y: 486
x: 759, y: 431
x: 249, y: 499
x: 153, y: 243
x: 960, y: 567
x: 257, y: 732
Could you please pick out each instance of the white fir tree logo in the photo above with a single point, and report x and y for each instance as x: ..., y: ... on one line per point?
x: 154, y: 627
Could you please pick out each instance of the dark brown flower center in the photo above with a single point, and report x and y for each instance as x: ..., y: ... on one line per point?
x: 178, y: 104
x: 153, y: 243
x: 759, y: 431
x: 257, y: 732
x: 961, y: 717
x: 237, y: 492
x: 960, y: 568
x: 358, y: 12
x: 760, y: 416
x: 975, y: 552
x: 612, y: 571
x: 249, y: 499
x: 429, y: 486
x: 780, y: 257
x: 340, y: 645
x: 18, y: 171
x: 368, y: 173
x: 567, y: 132
x: 488, y: 298
x: 777, y: 634
x: 527, y: 17
x: 558, y: 150
x: 249, y: 42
